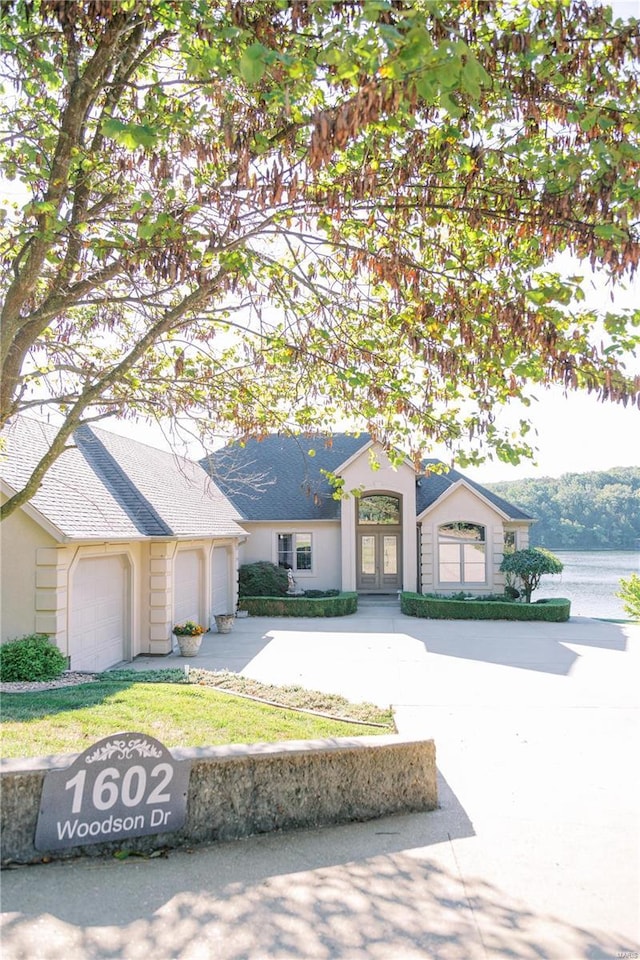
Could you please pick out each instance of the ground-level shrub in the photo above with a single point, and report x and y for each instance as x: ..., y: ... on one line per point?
x: 262, y: 579
x: 556, y: 610
x: 319, y: 594
x: 337, y: 606
x: 31, y: 658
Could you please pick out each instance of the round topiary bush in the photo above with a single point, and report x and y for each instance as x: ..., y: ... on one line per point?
x: 529, y: 566
x: 262, y: 579
x: 30, y: 658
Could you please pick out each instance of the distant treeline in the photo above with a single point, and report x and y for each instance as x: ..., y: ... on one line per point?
x: 580, y: 511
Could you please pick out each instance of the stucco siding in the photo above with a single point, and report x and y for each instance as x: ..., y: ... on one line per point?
x: 358, y: 475
x: 325, y: 573
x: 20, y: 539
x: 39, y: 590
x: 463, y: 505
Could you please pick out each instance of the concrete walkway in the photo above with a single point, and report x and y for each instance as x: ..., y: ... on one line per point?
x: 534, y: 853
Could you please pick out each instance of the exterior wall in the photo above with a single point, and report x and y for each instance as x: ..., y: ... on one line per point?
x: 20, y: 540
x: 162, y: 566
x: 358, y: 475
x: 159, y: 639
x: 522, y: 531
x: 38, y: 574
x: 325, y: 573
x: 464, y: 505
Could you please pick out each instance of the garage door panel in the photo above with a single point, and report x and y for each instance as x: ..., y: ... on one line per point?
x: 187, y: 586
x: 99, y: 613
x: 221, y: 602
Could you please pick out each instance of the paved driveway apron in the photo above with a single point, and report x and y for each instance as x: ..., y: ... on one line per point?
x: 533, y: 854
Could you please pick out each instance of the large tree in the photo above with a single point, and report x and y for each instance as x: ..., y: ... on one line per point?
x: 274, y: 213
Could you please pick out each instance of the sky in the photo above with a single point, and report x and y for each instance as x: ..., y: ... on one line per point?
x: 575, y: 434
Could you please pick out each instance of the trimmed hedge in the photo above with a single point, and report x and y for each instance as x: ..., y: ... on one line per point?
x: 556, y: 610
x: 339, y: 606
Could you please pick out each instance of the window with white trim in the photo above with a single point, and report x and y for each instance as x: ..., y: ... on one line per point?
x: 462, y: 557
x: 294, y: 551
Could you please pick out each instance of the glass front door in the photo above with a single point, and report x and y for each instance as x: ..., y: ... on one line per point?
x: 379, y: 561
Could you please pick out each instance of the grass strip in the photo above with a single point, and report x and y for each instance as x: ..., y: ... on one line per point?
x: 296, y: 697
x: 185, y: 711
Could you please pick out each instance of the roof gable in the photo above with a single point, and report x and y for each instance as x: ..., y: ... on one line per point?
x: 432, y: 487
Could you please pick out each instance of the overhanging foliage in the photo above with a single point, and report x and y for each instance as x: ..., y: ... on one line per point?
x: 270, y: 214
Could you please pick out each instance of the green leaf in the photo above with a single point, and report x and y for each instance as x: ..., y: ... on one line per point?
x: 130, y: 135
x: 147, y: 230
x: 143, y: 135
x: 427, y: 87
x: 448, y: 103
x: 253, y: 63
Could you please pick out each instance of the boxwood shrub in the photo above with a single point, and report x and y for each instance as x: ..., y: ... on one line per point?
x: 262, y: 579
x: 318, y: 594
x: 338, y: 606
x: 556, y: 610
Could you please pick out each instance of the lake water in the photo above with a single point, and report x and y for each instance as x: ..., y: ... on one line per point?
x: 590, y: 579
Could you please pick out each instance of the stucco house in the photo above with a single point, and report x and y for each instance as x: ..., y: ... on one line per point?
x: 121, y: 542
x: 404, y: 529
x: 124, y: 540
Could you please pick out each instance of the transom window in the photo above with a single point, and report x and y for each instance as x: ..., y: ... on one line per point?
x: 379, y: 508
x: 294, y: 551
x: 462, y: 553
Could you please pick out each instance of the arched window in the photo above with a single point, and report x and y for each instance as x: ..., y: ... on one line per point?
x: 462, y: 558
x: 379, y: 508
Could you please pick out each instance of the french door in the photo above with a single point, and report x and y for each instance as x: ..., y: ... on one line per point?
x: 379, y: 560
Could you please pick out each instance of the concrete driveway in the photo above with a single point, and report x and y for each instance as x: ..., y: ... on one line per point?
x: 535, y: 852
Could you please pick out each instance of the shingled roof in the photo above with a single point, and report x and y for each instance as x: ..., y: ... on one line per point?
x: 283, y: 477
x: 111, y: 487
x: 280, y: 477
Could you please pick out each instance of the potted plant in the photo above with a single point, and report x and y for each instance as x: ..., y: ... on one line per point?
x: 189, y: 636
x: 224, y: 622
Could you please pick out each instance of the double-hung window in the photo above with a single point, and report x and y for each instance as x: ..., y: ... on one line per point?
x: 294, y: 551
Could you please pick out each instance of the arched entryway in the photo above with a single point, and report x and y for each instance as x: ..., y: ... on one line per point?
x: 379, y: 543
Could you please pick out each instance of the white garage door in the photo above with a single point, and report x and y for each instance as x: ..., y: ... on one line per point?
x: 99, y: 613
x: 186, y: 586
x: 221, y: 601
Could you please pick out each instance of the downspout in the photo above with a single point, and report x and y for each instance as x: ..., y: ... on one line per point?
x: 419, y: 564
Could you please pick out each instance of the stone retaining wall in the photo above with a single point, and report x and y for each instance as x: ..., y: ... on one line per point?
x: 239, y: 790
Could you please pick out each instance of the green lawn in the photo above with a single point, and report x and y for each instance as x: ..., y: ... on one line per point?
x: 70, y: 719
